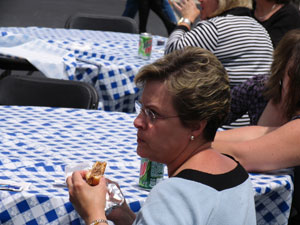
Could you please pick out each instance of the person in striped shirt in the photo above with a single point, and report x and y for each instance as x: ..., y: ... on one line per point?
x: 227, y: 29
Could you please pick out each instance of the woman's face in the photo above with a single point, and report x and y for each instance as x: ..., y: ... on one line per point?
x: 164, y: 139
x: 207, y: 8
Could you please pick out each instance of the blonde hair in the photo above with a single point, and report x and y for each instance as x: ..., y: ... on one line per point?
x: 198, y: 83
x: 225, y: 5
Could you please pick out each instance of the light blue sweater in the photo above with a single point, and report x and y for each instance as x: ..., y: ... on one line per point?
x: 196, y: 198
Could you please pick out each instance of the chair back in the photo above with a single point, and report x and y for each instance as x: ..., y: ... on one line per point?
x: 43, y: 91
x: 15, y: 64
x: 8, y: 64
x: 102, y: 22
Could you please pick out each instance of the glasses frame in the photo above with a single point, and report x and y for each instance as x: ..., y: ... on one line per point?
x: 139, y: 107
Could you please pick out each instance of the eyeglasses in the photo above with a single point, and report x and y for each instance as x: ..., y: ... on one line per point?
x: 150, y: 114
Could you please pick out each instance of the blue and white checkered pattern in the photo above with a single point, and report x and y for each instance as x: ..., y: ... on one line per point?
x: 274, y: 196
x: 36, y: 144
x: 107, y: 60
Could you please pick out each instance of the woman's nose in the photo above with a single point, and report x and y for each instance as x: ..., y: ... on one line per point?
x: 139, y: 122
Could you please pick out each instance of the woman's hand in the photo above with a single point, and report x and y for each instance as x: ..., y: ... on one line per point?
x: 121, y: 215
x: 188, y: 9
x: 88, y: 201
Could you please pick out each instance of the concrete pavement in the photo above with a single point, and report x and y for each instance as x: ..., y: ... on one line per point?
x: 53, y: 13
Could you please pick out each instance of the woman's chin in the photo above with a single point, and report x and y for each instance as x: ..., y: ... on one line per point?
x: 140, y: 151
x: 203, y: 17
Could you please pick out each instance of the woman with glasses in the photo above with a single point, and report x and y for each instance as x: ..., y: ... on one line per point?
x: 186, y: 96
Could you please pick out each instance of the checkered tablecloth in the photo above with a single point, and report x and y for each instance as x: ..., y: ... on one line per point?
x: 107, y: 60
x: 37, y: 143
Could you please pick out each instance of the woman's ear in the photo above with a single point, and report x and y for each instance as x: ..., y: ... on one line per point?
x: 197, y: 129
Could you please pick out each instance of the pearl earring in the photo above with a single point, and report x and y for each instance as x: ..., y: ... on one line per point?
x: 192, y: 138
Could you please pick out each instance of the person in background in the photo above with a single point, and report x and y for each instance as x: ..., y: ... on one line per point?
x: 273, y: 103
x: 186, y: 96
x: 132, y: 7
x: 229, y: 31
x: 277, y: 16
x: 156, y: 6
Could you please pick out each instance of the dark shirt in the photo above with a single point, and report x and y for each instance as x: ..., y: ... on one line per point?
x: 296, y: 117
x: 248, y: 97
x: 285, y: 19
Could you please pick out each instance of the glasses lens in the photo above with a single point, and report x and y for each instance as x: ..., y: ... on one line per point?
x: 150, y: 115
x: 138, y: 107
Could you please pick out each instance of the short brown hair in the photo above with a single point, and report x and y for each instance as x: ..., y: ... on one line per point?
x: 198, y: 83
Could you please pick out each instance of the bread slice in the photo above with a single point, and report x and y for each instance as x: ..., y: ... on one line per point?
x: 93, y: 175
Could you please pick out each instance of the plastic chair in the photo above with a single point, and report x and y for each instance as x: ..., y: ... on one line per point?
x: 9, y: 64
x: 102, y: 22
x: 43, y: 91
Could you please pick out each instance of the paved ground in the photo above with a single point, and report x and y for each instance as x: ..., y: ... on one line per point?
x: 53, y: 13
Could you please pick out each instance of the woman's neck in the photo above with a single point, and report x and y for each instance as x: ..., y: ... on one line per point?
x: 273, y: 115
x: 191, y: 151
x: 265, y: 9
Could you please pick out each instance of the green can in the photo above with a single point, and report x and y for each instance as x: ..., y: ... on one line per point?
x: 145, y: 46
x: 150, y: 173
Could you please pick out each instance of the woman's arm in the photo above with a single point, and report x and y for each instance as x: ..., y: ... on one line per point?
x: 261, y: 148
x: 243, y: 133
x: 204, y: 35
x: 187, y: 9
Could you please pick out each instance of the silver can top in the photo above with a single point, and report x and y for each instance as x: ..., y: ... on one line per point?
x: 146, y: 34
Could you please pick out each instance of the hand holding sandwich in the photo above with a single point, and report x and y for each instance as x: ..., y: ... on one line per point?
x: 88, y: 201
x: 87, y: 191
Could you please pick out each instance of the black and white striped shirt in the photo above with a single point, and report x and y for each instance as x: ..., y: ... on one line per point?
x: 241, y: 44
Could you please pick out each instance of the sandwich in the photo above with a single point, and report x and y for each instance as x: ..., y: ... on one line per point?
x: 94, y: 175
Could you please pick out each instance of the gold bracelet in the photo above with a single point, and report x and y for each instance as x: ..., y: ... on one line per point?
x: 98, y: 221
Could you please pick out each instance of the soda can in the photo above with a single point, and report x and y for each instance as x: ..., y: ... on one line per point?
x: 150, y: 173
x: 145, y: 46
